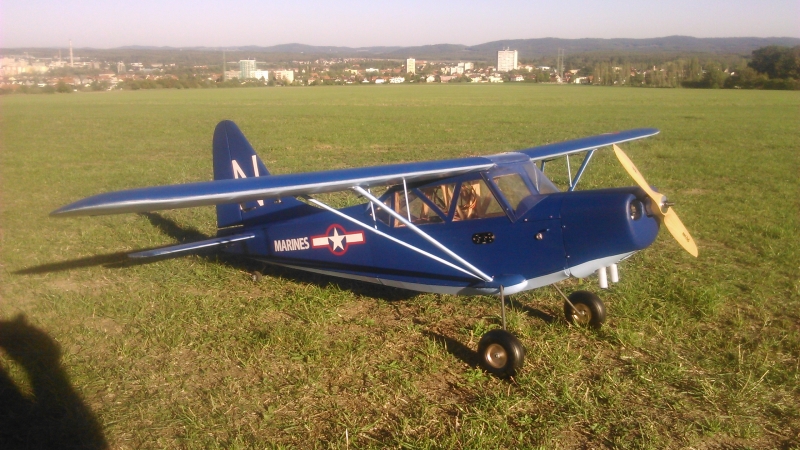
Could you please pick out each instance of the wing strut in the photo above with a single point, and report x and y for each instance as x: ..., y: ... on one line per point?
x: 405, y: 195
x: 374, y: 217
x: 585, y: 162
x: 391, y: 238
x: 472, y: 269
x: 569, y: 175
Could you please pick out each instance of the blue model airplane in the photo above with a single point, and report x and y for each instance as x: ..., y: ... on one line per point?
x: 474, y: 226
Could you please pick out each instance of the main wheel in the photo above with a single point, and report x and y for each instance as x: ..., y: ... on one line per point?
x: 589, y: 309
x: 501, y: 353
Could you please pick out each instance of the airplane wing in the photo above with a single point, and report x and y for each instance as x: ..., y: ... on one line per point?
x: 550, y: 151
x: 260, y: 188
x: 291, y: 185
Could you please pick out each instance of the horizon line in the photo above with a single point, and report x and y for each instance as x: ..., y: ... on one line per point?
x: 224, y: 47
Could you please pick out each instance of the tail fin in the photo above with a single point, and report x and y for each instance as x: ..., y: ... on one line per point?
x: 234, y: 157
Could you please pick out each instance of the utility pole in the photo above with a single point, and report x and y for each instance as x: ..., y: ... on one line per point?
x: 560, y: 63
x: 224, y: 67
x: 71, y: 62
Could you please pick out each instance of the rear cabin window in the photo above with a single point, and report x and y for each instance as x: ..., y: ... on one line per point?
x: 441, y: 196
x: 472, y: 200
x: 421, y: 212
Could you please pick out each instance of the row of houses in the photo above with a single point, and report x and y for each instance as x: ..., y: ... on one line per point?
x: 24, y: 71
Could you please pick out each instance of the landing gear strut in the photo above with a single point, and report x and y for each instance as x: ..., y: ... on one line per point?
x: 501, y: 353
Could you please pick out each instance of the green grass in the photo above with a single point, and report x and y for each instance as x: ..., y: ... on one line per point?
x: 190, y: 353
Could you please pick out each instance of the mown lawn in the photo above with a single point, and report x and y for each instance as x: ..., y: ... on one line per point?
x: 191, y: 353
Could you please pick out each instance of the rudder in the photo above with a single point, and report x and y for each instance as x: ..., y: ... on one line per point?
x: 234, y: 157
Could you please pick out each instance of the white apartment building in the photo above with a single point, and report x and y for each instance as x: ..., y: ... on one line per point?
x: 286, y: 75
x: 506, y: 60
x: 259, y: 74
x: 411, y: 65
x: 247, y: 68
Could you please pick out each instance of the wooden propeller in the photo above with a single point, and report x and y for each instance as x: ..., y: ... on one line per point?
x: 661, y: 208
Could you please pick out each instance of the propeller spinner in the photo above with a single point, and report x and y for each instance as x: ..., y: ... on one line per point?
x: 663, y: 209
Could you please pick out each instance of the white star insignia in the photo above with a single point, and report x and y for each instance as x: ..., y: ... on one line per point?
x: 337, y: 240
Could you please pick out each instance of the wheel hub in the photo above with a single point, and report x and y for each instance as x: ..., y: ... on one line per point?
x: 496, y: 356
x: 581, y: 314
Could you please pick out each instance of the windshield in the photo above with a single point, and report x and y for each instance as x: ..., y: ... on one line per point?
x: 540, y: 181
x: 520, y: 193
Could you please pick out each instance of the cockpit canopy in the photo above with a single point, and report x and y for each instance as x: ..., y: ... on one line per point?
x: 509, y: 190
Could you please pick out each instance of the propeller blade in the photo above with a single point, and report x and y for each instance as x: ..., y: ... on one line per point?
x: 679, y: 232
x: 627, y: 164
x: 660, y: 207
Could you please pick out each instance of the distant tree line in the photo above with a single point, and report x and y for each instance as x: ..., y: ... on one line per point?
x: 771, y: 67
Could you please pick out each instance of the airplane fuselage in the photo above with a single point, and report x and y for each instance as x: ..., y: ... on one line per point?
x: 524, y: 243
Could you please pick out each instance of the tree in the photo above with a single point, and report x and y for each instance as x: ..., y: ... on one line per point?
x: 789, y: 63
x: 99, y: 85
x: 714, y: 77
x: 694, y: 72
x: 745, y: 77
x: 63, y: 88
x: 766, y: 60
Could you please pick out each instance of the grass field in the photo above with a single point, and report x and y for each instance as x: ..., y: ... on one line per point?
x: 191, y: 353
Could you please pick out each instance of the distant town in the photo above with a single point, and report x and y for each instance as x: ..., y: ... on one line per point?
x: 24, y: 73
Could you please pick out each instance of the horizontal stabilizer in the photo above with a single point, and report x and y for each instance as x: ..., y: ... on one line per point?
x: 192, y: 247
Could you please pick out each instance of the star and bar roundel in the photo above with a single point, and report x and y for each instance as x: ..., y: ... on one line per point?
x: 337, y: 239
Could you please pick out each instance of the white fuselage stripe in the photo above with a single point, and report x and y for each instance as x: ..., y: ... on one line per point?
x: 586, y: 268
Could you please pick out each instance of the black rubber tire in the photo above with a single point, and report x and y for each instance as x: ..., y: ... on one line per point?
x: 501, y: 353
x: 592, y: 308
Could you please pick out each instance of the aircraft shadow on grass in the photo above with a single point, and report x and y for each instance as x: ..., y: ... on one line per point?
x: 183, y: 234
x: 54, y: 416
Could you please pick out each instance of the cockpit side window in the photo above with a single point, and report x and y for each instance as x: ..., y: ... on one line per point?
x: 476, y: 201
x: 513, y: 188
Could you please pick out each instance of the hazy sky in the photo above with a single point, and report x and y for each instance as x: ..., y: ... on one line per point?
x: 216, y: 23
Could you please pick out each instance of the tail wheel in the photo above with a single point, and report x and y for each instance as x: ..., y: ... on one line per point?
x: 589, y: 309
x: 501, y: 353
